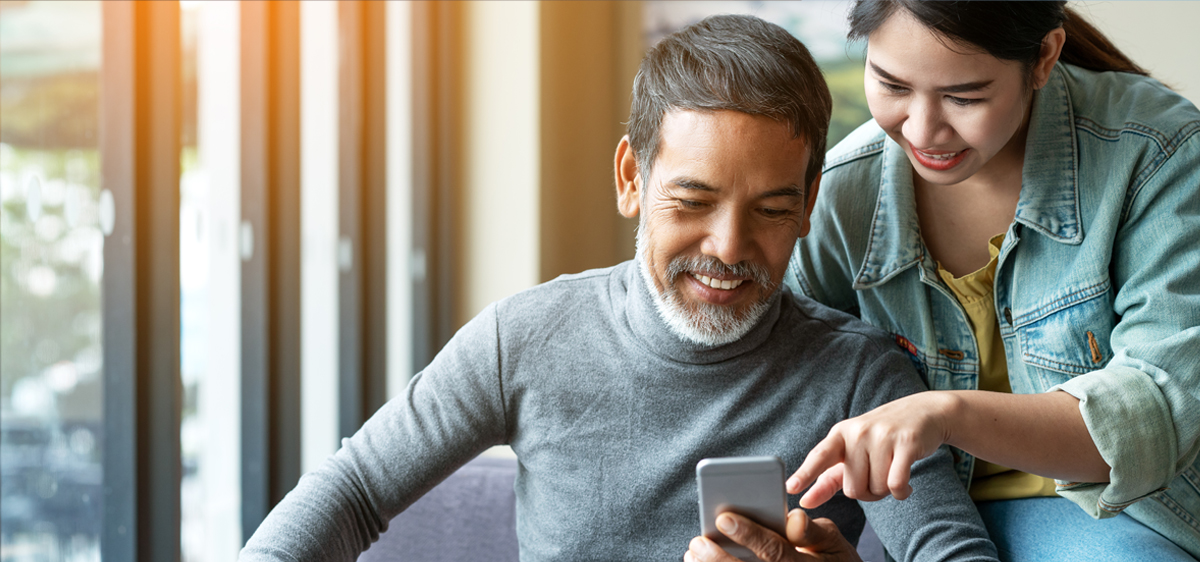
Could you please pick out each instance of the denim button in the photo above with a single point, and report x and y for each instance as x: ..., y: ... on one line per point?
x: 1008, y: 315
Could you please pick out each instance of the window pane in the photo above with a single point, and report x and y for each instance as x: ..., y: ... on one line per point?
x: 210, y: 281
x: 51, y: 262
x: 820, y: 25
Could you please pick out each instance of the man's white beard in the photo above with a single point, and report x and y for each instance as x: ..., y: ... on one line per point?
x: 701, y: 322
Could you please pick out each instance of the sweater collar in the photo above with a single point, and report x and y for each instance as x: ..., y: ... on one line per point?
x: 656, y: 336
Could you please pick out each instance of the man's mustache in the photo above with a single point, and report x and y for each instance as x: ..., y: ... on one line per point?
x: 711, y: 265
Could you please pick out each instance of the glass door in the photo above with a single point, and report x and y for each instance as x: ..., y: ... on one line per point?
x: 52, y: 221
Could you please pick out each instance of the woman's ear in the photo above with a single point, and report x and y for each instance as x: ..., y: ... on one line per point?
x: 629, y: 181
x: 1052, y: 45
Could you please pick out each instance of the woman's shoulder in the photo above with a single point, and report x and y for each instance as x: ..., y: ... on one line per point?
x: 1111, y: 103
x: 853, y: 170
x: 858, y: 147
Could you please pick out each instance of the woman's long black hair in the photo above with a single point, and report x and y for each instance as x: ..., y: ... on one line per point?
x: 1006, y: 30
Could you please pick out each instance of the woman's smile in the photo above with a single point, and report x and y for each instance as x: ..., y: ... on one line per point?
x: 939, y: 161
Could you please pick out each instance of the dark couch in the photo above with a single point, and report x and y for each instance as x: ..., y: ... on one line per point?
x: 471, y: 516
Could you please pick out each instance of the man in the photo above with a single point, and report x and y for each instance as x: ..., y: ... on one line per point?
x: 612, y: 384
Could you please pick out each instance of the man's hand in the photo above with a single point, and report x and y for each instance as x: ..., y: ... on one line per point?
x: 871, y: 456
x: 808, y: 540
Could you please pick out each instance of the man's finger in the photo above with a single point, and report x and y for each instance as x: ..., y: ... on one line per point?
x: 803, y: 532
x: 703, y: 549
x: 829, y: 452
x: 827, y: 485
x: 797, y: 528
x: 817, y: 536
x: 765, y: 544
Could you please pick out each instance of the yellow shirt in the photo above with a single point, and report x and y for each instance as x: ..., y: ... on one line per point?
x: 991, y: 481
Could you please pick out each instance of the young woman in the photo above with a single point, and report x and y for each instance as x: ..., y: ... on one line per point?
x: 1023, y: 215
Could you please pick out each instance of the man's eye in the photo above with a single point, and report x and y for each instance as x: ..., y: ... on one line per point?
x: 963, y: 102
x: 775, y: 213
x: 690, y: 203
x: 893, y: 88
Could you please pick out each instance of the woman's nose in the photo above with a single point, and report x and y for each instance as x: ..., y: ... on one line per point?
x: 924, y: 125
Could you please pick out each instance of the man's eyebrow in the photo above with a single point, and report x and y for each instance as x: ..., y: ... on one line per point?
x: 788, y: 191
x: 692, y: 184
x: 954, y: 89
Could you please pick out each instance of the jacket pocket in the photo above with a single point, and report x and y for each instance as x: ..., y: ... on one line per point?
x: 1071, y: 334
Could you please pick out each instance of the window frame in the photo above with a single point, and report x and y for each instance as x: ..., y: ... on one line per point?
x: 139, y: 152
x: 271, y: 299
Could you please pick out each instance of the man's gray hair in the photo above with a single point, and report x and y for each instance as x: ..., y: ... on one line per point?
x: 730, y: 62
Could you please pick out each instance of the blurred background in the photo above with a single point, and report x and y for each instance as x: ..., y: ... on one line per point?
x: 229, y: 231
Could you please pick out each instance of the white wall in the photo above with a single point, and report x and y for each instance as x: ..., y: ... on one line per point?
x: 399, y: 196
x: 219, y: 137
x: 1159, y: 36
x: 319, y: 231
x: 500, y: 194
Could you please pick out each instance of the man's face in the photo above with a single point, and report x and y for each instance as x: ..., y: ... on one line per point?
x: 722, y: 210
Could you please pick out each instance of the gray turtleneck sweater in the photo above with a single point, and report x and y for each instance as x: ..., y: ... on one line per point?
x: 608, y: 412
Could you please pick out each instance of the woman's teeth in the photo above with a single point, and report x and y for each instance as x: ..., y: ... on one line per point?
x: 717, y: 283
x: 939, y: 156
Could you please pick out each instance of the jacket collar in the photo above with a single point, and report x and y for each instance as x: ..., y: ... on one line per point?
x: 1049, y: 200
x: 895, y: 243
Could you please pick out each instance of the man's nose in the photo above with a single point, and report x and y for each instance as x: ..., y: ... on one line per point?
x: 924, y: 125
x: 728, y: 238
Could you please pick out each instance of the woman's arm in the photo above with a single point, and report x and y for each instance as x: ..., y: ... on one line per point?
x: 1139, y: 414
x: 870, y: 456
x: 1038, y: 433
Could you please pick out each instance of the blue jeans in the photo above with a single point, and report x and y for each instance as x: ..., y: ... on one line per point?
x: 1054, y: 529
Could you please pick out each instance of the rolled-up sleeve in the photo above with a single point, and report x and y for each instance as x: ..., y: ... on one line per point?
x: 1143, y: 408
x: 1131, y: 422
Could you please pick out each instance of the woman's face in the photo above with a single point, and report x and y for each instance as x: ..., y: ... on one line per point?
x: 955, y: 112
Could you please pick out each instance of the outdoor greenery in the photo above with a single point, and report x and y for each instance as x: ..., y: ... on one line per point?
x: 49, y: 276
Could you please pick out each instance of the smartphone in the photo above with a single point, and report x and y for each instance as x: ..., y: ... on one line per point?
x: 749, y: 486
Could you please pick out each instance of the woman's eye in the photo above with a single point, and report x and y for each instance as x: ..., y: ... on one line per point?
x: 963, y: 102
x: 893, y: 88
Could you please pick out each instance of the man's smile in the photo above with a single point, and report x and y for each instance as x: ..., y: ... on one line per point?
x: 721, y: 292
x: 715, y: 283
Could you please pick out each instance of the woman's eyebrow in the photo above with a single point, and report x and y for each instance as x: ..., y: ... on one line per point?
x: 885, y: 74
x: 966, y: 87
x: 954, y: 89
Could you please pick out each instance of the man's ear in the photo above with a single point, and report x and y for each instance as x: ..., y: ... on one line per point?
x: 805, y: 221
x: 629, y: 181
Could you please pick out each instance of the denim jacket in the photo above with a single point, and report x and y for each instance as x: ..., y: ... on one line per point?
x: 1097, y: 286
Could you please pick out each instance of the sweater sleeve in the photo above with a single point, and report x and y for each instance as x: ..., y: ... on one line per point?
x: 449, y: 413
x: 938, y: 521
